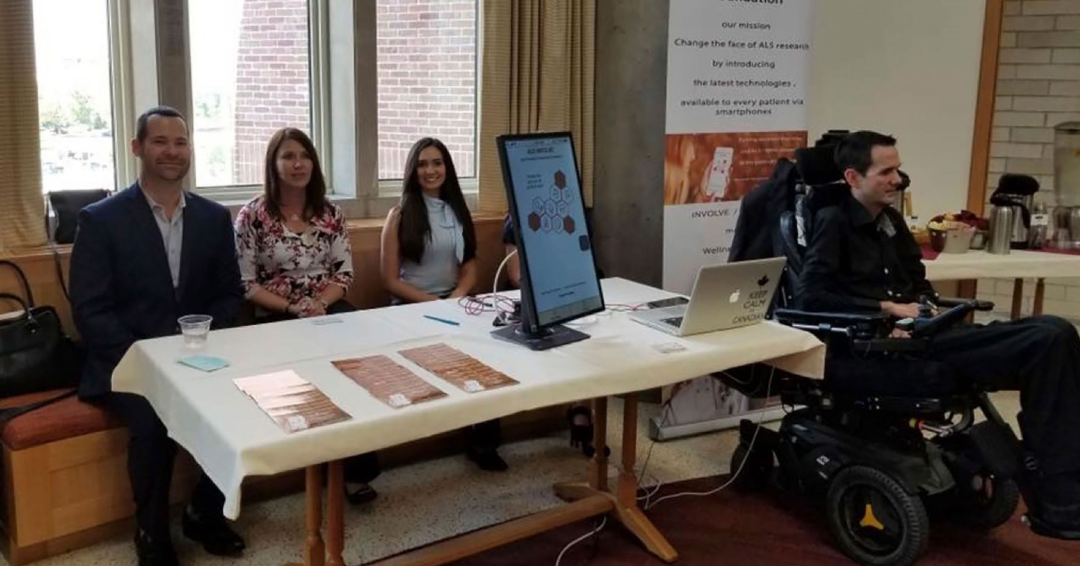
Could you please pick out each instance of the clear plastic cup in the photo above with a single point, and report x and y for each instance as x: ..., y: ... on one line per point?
x: 195, y: 328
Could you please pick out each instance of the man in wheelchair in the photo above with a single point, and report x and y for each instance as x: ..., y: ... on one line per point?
x: 860, y: 257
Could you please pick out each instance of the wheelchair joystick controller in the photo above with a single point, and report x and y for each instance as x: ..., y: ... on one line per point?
x: 926, y: 315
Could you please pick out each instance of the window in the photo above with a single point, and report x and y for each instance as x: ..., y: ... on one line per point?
x: 426, y: 80
x: 366, y: 79
x: 71, y: 42
x: 250, y: 76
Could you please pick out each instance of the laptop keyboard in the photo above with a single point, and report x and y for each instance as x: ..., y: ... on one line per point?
x: 673, y: 321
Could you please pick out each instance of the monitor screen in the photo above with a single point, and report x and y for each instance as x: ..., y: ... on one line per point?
x: 558, y: 268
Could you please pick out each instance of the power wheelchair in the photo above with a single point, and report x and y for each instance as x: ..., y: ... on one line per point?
x: 887, y: 438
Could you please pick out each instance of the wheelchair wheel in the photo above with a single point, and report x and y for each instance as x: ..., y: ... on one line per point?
x: 992, y: 505
x: 756, y: 472
x: 875, y: 521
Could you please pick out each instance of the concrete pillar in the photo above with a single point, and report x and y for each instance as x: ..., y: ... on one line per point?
x: 631, y: 80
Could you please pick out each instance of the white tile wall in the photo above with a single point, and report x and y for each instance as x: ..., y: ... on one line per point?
x: 1038, y: 87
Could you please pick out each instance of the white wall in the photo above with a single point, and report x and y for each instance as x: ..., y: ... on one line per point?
x: 909, y: 68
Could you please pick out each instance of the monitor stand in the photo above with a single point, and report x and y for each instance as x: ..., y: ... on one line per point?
x: 547, y: 338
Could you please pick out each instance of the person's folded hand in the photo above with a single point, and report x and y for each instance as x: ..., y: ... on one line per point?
x: 901, y: 311
x: 310, y: 307
x: 901, y: 334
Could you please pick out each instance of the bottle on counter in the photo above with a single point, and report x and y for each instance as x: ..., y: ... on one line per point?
x: 1040, y: 227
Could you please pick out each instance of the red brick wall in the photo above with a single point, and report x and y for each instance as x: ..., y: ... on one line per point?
x: 273, y: 88
x: 427, y: 80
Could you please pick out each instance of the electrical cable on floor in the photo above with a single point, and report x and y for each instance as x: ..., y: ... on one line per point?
x: 749, y: 451
x: 579, y: 539
x: 648, y: 494
x: 666, y: 411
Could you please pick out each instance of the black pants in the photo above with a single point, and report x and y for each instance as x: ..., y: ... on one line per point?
x: 151, y: 454
x: 1040, y: 357
x: 358, y: 469
x: 485, y: 436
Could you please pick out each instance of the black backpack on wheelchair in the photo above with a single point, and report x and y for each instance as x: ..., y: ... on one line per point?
x: 887, y: 438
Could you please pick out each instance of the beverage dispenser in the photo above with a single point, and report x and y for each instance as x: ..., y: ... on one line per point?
x: 1016, y: 192
x: 1067, y: 185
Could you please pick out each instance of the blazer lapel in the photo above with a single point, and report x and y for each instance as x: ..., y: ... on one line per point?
x: 150, y: 234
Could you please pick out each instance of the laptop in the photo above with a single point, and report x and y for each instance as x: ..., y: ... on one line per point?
x: 724, y: 296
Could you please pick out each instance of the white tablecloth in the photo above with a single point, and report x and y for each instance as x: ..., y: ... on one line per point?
x: 231, y: 438
x: 1018, y: 264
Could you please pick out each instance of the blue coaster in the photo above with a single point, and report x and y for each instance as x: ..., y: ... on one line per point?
x: 204, y: 363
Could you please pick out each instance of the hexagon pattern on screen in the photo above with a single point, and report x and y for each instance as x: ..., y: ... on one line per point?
x: 552, y: 214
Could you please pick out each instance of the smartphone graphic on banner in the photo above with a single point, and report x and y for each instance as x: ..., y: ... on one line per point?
x: 721, y: 171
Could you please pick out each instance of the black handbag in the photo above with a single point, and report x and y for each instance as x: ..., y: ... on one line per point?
x: 35, y: 354
x: 63, y: 212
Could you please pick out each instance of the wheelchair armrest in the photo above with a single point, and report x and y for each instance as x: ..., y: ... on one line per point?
x: 835, y: 317
x: 867, y: 333
x: 950, y: 302
x: 928, y: 327
x: 842, y: 323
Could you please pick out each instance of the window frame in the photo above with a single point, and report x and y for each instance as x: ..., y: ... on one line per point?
x: 119, y: 52
x: 469, y: 185
x: 344, y: 95
x: 318, y: 116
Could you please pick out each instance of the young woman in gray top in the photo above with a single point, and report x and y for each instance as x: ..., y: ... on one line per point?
x: 428, y: 241
x: 429, y: 253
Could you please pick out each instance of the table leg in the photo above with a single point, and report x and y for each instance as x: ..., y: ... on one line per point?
x: 624, y: 500
x: 1040, y: 292
x: 627, y: 511
x: 627, y: 488
x: 598, y: 468
x: 314, y: 551
x: 335, y: 513
x: 1018, y: 298
x: 968, y: 289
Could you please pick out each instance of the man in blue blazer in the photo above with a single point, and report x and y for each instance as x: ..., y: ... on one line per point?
x: 143, y: 258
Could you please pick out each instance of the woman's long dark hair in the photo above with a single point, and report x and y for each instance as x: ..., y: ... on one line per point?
x: 414, y: 231
x: 315, y: 201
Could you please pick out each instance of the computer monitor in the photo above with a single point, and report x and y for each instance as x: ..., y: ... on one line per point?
x: 558, y: 270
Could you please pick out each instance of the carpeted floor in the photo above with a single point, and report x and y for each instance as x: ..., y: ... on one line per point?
x: 429, y: 501
x: 737, y: 529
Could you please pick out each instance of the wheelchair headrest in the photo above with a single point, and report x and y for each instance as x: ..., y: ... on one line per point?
x: 816, y: 165
x: 828, y: 194
x: 832, y: 137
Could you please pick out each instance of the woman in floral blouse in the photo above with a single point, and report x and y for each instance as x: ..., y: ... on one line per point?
x: 295, y: 257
